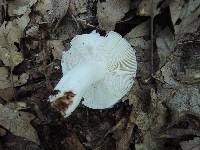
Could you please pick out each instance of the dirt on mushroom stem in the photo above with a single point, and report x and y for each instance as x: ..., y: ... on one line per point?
x: 63, y: 102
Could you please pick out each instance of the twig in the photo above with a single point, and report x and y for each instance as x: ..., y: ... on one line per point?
x: 152, y: 63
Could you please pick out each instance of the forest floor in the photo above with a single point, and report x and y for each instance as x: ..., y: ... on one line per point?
x: 162, y: 110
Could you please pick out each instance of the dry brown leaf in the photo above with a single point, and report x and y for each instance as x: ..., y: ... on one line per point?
x: 145, y: 8
x: 136, y: 36
x: 126, y: 135
x: 2, y: 132
x: 116, y: 129
x: 52, y: 10
x: 72, y: 143
x: 165, y: 45
x: 66, y: 30
x: 11, y: 32
x: 19, y: 7
x: 18, y: 123
x: 185, y: 16
x: 6, y: 94
x: 166, y: 74
x: 109, y: 12
x: 78, y: 7
x: 33, y: 31
x: 57, y: 48
x: 124, y: 142
x: 191, y: 144
x: 149, y: 122
x: 185, y: 99
x: 12, y: 58
x: 178, y: 132
x: 5, y: 81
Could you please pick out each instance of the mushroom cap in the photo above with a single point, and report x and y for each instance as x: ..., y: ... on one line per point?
x: 121, y: 65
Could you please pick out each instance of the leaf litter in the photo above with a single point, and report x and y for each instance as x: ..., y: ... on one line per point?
x: 160, y: 112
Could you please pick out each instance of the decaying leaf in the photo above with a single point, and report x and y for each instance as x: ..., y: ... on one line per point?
x: 72, y: 143
x: 5, y: 81
x: 185, y: 16
x: 11, y: 32
x: 117, y: 128
x: 6, y: 94
x: 81, y: 13
x: 66, y: 30
x: 109, y: 12
x: 166, y: 74
x: 191, y: 144
x: 2, y: 132
x: 177, y: 133
x: 52, y: 10
x: 137, y: 36
x: 145, y: 7
x: 18, y: 123
x: 185, y: 99
x: 19, y: 143
x: 33, y: 31
x: 10, y: 58
x: 1, y: 12
x: 124, y: 142
x: 78, y: 7
x: 165, y: 45
x: 57, y: 48
x: 155, y: 101
x: 189, y: 72
x: 19, y: 7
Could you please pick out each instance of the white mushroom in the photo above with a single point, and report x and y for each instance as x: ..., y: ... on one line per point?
x: 99, y: 69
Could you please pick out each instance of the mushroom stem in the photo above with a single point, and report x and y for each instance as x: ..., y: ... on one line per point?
x: 76, y: 82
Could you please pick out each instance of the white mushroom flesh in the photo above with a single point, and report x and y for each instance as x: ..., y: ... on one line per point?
x: 99, y: 69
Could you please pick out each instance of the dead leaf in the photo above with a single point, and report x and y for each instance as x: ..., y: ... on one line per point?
x: 191, y: 144
x: 52, y: 10
x: 57, y: 48
x: 66, y: 30
x: 185, y: 16
x: 33, y: 31
x: 166, y: 74
x: 185, y: 99
x: 109, y: 12
x: 78, y: 7
x: 2, y: 132
x: 80, y: 11
x: 10, y: 58
x: 150, y: 142
x: 126, y: 135
x: 18, y: 123
x: 165, y: 45
x: 73, y: 142
x: 13, y: 142
x: 150, y: 121
x: 189, y: 72
x: 116, y: 128
x: 136, y: 36
x: 7, y: 93
x: 19, y: 7
x: 1, y: 11
x: 178, y: 132
x: 145, y: 8
x: 5, y: 81
x: 11, y: 32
